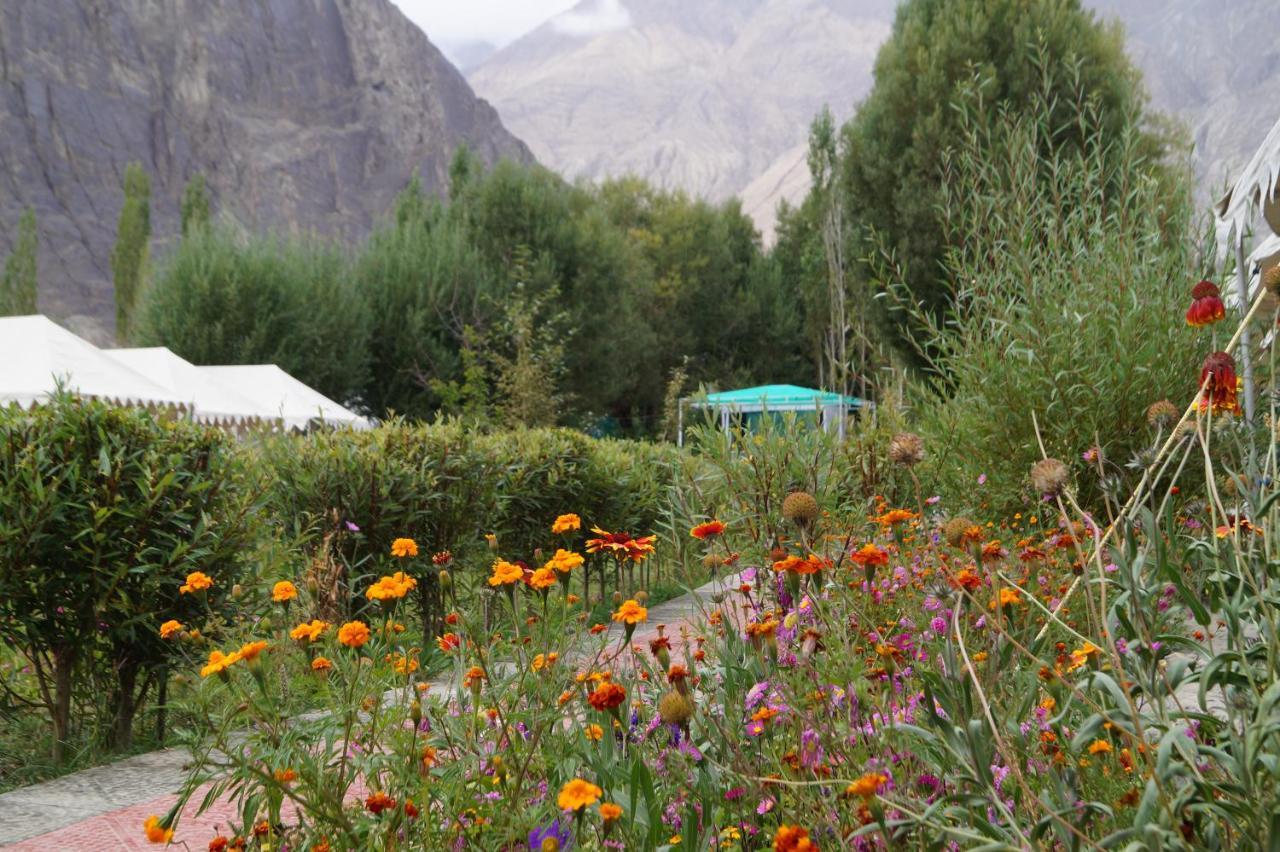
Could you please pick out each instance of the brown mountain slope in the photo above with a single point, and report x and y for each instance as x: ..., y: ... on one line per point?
x: 302, y: 114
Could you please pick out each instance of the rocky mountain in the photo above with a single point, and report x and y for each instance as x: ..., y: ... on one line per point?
x: 302, y: 115
x: 698, y: 94
x: 715, y: 96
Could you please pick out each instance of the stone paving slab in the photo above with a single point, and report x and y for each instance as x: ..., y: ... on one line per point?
x: 105, y: 807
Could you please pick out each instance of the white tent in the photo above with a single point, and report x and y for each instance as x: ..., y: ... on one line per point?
x: 215, y: 400
x: 277, y: 394
x: 35, y: 353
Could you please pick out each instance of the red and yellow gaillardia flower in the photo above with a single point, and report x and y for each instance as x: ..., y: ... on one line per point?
x: 621, y: 545
x: 1218, y: 378
x: 1206, y: 305
x: 710, y: 529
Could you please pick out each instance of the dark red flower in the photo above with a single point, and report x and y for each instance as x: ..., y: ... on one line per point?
x: 1218, y: 379
x: 1206, y: 305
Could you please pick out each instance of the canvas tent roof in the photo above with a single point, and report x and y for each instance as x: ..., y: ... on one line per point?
x: 277, y: 394
x: 774, y: 398
x: 36, y: 352
x: 214, y: 399
x: 1255, y: 186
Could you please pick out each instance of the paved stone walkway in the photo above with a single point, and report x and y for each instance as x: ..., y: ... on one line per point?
x: 103, y: 808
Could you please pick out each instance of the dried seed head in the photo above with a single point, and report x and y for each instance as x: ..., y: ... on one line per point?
x: 953, y: 530
x: 1049, y: 476
x: 674, y: 708
x: 800, y: 508
x: 1162, y: 414
x: 906, y: 449
x: 1271, y: 280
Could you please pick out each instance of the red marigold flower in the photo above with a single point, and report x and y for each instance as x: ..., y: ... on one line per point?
x: 379, y: 802
x: 1218, y: 378
x: 606, y: 696
x: 1206, y: 305
x: 710, y: 529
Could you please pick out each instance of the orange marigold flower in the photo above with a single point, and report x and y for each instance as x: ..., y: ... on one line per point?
x: 565, y: 561
x: 542, y: 579
x: 218, y: 663
x: 1007, y: 597
x: 610, y: 812
x: 309, y: 631
x: 593, y: 732
x: 376, y: 803
x: 788, y: 563
x: 762, y: 629
x: 474, y: 675
x: 792, y: 838
x: 353, y: 634
x: 606, y: 696
x: 285, y: 776
x: 505, y: 574
x: 868, y: 786
x: 321, y: 664
x: 251, y: 650
x: 197, y: 581
x: 404, y: 547
x: 1206, y: 305
x: 1100, y: 747
x: 578, y: 794
x: 967, y: 579
x: 428, y: 756
x: 566, y: 523
x: 170, y: 629
x: 219, y: 844
x: 893, y: 517
x: 710, y: 529
x: 391, y: 588
x: 870, y: 554
x: 631, y: 612
x: 677, y: 673
x: 155, y: 831
x: 283, y: 592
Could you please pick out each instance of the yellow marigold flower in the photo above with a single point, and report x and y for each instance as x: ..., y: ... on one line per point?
x: 155, y: 832
x: 197, y: 581
x: 505, y: 574
x: 566, y: 523
x: 321, y: 664
x: 309, y: 631
x: 1099, y: 747
x: 353, y: 634
x: 631, y: 613
x: 593, y: 732
x: 609, y: 811
x: 565, y: 561
x: 404, y: 547
x: 170, y: 629
x: 578, y: 794
x: 218, y: 663
x: 868, y: 785
x: 542, y: 579
x: 283, y: 592
x: 251, y: 650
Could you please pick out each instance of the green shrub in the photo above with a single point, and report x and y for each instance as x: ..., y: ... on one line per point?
x: 105, y: 511
x: 1070, y: 274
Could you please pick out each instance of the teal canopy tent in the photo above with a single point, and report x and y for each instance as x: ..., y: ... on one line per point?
x: 747, y: 403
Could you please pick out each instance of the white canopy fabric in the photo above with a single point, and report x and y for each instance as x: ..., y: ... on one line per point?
x: 1255, y: 188
x: 277, y: 394
x: 35, y: 353
x: 215, y: 401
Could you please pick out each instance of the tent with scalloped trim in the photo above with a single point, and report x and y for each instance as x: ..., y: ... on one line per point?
x: 747, y: 404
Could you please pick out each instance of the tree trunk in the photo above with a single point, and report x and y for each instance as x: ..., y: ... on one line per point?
x: 63, y: 667
x: 121, y: 734
x: 162, y: 704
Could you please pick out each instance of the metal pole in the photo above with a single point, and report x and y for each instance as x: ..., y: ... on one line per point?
x: 1246, y: 356
x: 680, y: 423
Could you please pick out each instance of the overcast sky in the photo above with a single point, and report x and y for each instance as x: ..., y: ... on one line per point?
x: 454, y: 22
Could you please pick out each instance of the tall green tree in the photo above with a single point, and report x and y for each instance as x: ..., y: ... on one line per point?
x: 129, y: 256
x: 18, y: 282
x: 195, y: 204
x: 1004, y: 51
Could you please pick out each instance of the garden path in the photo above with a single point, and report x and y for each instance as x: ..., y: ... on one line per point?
x: 104, y: 807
